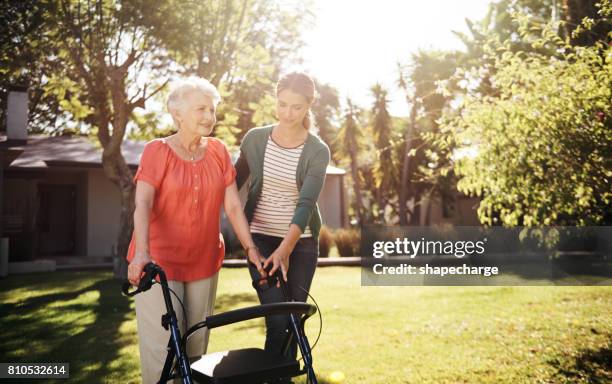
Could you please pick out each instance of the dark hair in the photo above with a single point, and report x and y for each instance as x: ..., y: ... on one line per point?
x: 302, y: 84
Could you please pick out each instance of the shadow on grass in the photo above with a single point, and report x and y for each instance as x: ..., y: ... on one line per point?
x: 227, y: 302
x: 590, y: 366
x: 44, y: 329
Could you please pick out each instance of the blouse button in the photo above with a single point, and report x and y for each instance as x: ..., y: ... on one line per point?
x: 196, y: 188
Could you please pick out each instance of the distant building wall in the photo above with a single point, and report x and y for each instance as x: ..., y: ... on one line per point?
x: 460, y: 212
x: 103, y: 212
x: 331, y: 202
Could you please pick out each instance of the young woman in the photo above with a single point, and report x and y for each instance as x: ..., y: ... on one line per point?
x: 287, y: 166
x: 181, y: 183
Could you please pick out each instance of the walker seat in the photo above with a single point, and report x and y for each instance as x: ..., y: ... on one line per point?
x: 248, y: 365
x: 243, y: 366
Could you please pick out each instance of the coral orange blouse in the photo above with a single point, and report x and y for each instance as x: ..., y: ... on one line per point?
x: 184, y: 226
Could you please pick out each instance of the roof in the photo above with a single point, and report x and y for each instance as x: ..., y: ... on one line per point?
x: 47, y: 151
x: 331, y: 170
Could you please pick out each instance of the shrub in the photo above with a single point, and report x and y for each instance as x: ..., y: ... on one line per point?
x: 347, y: 241
x: 326, y: 241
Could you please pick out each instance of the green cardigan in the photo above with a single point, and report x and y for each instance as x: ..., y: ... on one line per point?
x: 310, y: 175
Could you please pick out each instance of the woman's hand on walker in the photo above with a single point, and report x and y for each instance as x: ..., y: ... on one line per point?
x: 279, y: 259
x: 257, y: 260
x: 136, y: 266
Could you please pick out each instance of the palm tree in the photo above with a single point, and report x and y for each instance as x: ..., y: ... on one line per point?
x: 326, y: 109
x: 349, y: 140
x: 384, y: 167
x: 426, y: 163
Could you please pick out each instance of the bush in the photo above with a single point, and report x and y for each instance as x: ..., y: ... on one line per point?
x: 326, y: 241
x: 347, y: 241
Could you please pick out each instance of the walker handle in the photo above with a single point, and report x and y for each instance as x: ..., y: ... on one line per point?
x: 270, y: 280
x: 150, y: 272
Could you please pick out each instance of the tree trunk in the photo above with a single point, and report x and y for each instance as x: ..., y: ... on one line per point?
x: 415, y: 215
x: 356, y: 187
x: 405, y: 179
x: 126, y: 227
x: 575, y: 11
x: 117, y: 169
x: 119, y: 173
x: 424, y: 216
x: 380, y: 215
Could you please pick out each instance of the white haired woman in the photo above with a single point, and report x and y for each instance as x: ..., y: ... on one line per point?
x: 181, y: 183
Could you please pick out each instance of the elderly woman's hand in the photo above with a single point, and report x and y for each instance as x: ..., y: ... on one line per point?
x: 257, y: 260
x: 136, y: 266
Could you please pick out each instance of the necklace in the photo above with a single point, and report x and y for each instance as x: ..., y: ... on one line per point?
x: 190, y: 154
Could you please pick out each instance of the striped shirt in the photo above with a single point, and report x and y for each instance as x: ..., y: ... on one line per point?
x: 279, y: 193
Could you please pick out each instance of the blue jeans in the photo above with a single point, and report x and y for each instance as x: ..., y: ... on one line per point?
x: 302, y: 265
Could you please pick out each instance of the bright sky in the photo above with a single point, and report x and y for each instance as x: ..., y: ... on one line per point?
x: 355, y: 44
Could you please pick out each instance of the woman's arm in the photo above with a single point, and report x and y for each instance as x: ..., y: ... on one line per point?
x: 145, y: 193
x: 311, y: 188
x: 242, y: 170
x: 233, y: 210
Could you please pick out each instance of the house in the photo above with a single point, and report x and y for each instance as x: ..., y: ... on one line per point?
x: 58, y: 203
x: 455, y: 210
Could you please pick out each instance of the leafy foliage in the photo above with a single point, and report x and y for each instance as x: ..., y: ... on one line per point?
x: 22, y: 48
x: 326, y: 111
x: 541, y: 146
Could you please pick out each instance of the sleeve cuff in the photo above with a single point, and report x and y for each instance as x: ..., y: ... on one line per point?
x: 301, y: 217
x: 146, y: 178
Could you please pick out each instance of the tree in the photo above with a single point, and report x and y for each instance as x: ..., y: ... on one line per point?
x: 427, y: 166
x: 350, y: 143
x: 540, y: 148
x: 500, y: 24
x: 586, y: 13
x: 437, y: 81
x: 384, y: 177
x: 241, y: 46
x: 103, y: 49
x: 22, y: 45
x: 406, y: 156
x: 326, y: 109
x: 222, y: 39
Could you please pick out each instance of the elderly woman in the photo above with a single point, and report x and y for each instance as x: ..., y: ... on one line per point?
x: 181, y: 184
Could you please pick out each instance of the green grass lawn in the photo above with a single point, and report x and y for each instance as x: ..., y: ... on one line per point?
x: 370, y: 334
